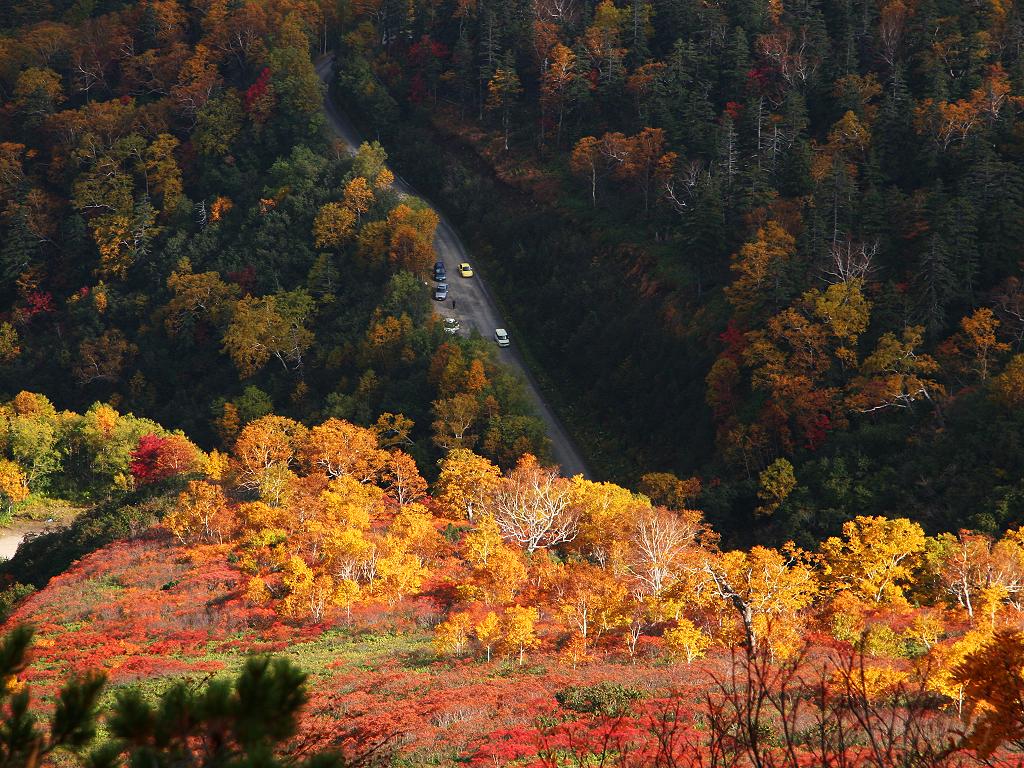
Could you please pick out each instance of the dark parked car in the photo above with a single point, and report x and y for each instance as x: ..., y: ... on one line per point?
x: 440, y: 274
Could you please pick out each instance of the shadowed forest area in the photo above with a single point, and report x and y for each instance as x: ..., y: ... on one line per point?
x: 741, y: 237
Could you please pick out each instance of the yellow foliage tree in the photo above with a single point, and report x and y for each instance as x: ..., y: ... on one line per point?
x: 358, y: 197
x: 945, y: 660
x: 345, y: 596
x: 895, y: 375
x: 1008, y: 386
x: 768, y: 588
x: 13, y: 485
x: 758, y: 267
x: 197, y: 298
x: 575, y: 652
x: 487, y: 632
x: 163, y: 175
x: 338, y: 449
x: 269, y: 326
x: 978, y: 332
x: 451, y: 636
x: 265, y: 452
x: 777, y: 481
x: 398, y: 572
x: 519, y: 630
x: 608, y: 514
x: 10, y: 344
x: 334, y: 225
x: 686, y: 641
x: 875, y: 557
x: 201, y: 514
x: 466, y: 484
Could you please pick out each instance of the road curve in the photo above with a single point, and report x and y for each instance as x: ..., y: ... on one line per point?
x: 468, y: 298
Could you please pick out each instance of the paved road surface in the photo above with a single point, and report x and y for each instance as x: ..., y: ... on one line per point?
x: 473, y: 304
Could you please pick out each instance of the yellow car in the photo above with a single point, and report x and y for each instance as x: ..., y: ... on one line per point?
x: 465, y: 270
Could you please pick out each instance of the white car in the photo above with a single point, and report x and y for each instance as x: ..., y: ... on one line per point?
x: 452, y: 325
x: 501, y: 336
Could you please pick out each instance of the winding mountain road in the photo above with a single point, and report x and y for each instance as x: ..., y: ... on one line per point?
x: 468, y: 298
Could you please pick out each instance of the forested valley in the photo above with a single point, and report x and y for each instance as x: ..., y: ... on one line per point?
x: 763, y: 258
x: 183, y: 239
x: 782, y: 240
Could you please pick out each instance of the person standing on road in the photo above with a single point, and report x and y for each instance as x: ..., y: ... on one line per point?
x: 453, y: 303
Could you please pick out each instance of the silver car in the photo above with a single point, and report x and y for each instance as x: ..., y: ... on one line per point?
x: 441, y: 291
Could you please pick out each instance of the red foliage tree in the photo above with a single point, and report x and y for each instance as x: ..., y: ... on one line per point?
x: 158, y: 458
x: 37, y: 303
x: 244, y: 278
x: 259, y: 97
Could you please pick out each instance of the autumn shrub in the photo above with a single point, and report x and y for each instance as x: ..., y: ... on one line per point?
x: 43, y: 556
x: 881, y: 640
x: 846, y: 620
x: 924, y: 632
x: 604, y: 698
x: 146, y: 667
x: 12, y: 596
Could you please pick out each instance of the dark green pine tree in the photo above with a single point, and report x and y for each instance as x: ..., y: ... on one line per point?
x: 611, y: 85
x: 241, y: 723
x: 751, y: 14
x: 464, y: 70
x: 960, y: 229
x: 867, y: 19
x: 843, y: 25
x: 874, y: 217
x: 394, y: 22
x: 488, y: 55
x: 995, y: 188
x: 672, y: 17
x: 792, y: 175
x: 759, y: 143
x: 705, y: 236
x: 639, y: 51
x: 671, y: 90
x: 931, y: 78
x: 933, y: 280
x: 735, y: 68
x: 579, y: 95
x: 25, y: 12
x: 72, y: 724
x: 237, y: 723
x: 815, y: 241
x: 894, y: 134
x: 516, y: 21
x: 728, y: 167
x: 19, y: 248
x: 149, y: 26
x: 809, y: 24
x: 35, y: 108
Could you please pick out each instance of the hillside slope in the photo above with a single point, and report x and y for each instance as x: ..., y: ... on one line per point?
x: 147, y: 611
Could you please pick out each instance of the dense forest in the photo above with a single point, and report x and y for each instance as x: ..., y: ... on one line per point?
x: 775, y: 244
x: 182, y: 239
x: 770, y: 248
